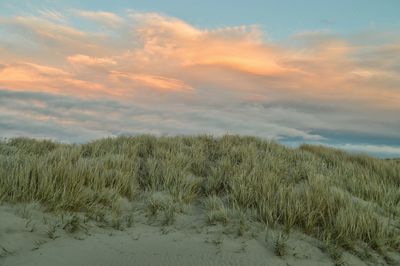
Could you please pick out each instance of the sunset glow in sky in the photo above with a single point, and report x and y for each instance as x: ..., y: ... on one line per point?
x: 313, y: 72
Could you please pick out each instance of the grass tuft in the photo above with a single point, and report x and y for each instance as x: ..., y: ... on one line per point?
x: 280, y: 245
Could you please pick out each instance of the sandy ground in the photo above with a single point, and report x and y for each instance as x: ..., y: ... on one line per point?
x: 26, y: 238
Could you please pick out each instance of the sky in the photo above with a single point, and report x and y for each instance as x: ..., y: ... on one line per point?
x: 322, y: 72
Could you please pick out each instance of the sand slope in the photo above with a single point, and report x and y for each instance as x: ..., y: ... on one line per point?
x: 24, y: 240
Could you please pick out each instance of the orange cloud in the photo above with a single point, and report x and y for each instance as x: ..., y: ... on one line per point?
x: 156, y: 82
x: 84, y: 60
x: 33, y: 77
x: 237, y: 48
x: 28, y: 73
x: 151, y: 52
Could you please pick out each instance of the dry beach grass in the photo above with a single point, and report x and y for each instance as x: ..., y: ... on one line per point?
x: 348, y: 202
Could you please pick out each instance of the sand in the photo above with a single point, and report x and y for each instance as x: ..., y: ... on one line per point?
x: 26, y: 238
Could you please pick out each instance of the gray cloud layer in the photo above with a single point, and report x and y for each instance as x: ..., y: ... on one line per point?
x: 72, y: 119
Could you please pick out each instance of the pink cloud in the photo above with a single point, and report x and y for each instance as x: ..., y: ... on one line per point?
x: 156, y: 82
x: 22, y: 76
x: 152, y: 52
x: 84, y: 60
x: 238, y: 48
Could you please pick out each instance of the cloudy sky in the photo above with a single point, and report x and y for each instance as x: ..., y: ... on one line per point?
x: 295, y: 71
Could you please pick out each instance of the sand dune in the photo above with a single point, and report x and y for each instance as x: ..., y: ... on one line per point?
x: 195, y: 201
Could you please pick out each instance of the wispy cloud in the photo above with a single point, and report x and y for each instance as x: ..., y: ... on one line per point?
x: 367, y: 148
x: 106, y: 18
x: 52, y: 14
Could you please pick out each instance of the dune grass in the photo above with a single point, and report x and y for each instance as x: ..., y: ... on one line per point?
x: 326, y: 193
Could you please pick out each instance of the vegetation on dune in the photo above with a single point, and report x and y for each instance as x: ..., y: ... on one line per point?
x: 327, y: 193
